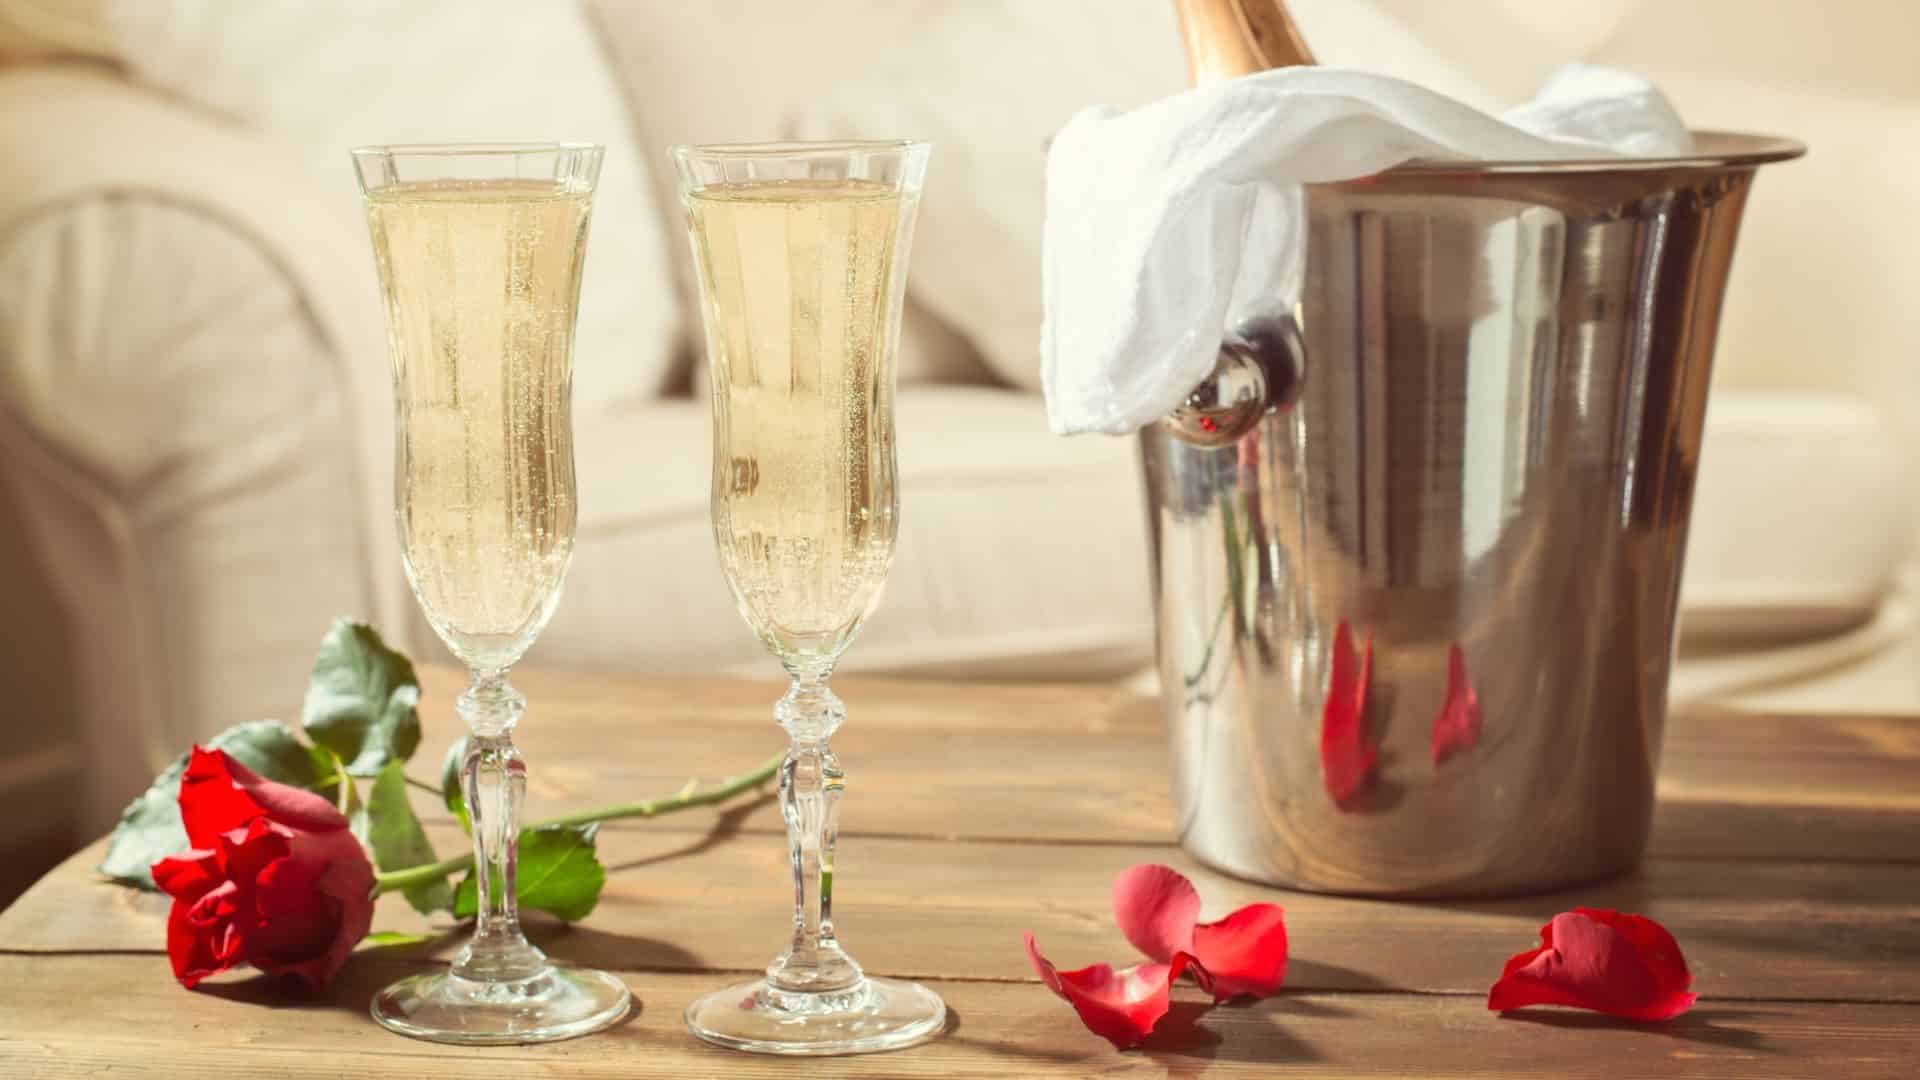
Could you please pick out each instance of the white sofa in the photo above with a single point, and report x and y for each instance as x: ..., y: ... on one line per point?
x: 194, y: 457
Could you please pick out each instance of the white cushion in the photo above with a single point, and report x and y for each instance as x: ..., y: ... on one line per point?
x: 1799, y: 525
x: 1869, y: 668
x: 179, y: 441
x: 140, y: 144
x: 1020, y: 554
x: 323, y: 76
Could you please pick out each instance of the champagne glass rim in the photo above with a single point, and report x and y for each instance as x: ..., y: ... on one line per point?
x: 796, y: 148
x: 473, y: 149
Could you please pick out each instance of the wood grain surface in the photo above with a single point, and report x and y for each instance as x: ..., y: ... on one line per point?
x: 1786, y: 860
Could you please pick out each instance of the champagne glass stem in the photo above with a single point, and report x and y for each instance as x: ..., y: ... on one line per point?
x: 811, y: 784
x: 494, y: 779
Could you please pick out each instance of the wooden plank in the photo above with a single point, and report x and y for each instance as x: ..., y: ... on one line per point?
x: 55, y: 1022
x: 1689, y: 828
x: 1092, y: 764
x: 1856, y: 761
x: 592, y: 740
x: 1752, y: 930
x: 635, y: 705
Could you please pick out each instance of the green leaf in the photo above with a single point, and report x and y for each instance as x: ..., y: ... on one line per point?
x: 361, y: 700
x: 327, y: 767
x: 559, y: 874
x: 387, y: 825
x: 150, y: 828
x: 394, y: 939
x: 452, y: 790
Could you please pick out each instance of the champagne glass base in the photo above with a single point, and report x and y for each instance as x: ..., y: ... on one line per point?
x: 559, y: 1003
x: 874, y: 1015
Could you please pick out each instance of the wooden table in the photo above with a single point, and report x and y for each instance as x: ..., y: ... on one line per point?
x: 1786, y: 860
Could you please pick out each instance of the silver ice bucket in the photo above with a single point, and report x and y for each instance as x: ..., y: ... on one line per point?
x: 1479, y: 432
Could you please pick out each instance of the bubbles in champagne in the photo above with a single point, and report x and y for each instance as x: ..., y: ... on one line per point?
x: 796, y: 275
x: 481, y: 280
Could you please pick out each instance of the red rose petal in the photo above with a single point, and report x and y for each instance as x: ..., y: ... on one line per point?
x: 1156, y: 908
x: 297, y: 938
x: 210, y: 802
x: 1244, y: 953
x: 1457, y: 727
x: 290, y: 807
x: 189, y: 875
x: 218, y: 794
x: 1655, y: 945
x: 328, y: 914
x: 248, y: 852
x: 1121, y: 1007
x: 351, y: 883
x: 215, y: 910
x: 1622, y: 965
x: 1346, y: 757
x: 190, y: 878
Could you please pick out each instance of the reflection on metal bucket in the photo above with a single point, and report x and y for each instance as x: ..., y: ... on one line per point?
x: 1492, y: 453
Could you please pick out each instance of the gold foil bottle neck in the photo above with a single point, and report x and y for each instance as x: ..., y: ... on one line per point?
x: 1229, y: 38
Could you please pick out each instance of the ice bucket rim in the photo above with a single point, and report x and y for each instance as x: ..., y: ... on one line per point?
x: 1713, y: 150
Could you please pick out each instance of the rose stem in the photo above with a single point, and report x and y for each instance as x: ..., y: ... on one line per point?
x: 721, y: 792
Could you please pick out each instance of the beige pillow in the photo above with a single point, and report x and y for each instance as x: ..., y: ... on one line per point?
x: 733, y: 71
x: 322, y: 76
x: 990, y: 82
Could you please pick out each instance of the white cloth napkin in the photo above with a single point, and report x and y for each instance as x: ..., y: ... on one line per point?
x: 1170, y: 224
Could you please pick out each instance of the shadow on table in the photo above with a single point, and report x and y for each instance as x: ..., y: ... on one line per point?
x: 1674, y: 881
x: 1005, y: 1047
x: 584, y: 946
x: 1191, y: 1034
x: 1194, y: 1034
x: 1702, y: 1025
x: 726, y: 824
x: 352, y: 989
x: 1194, y: 1031
x: 1876, y: 901
x: 364, y: 975
x: 1322, y: 978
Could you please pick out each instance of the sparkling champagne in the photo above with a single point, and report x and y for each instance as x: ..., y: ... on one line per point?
x: 481, y: 281
x: 797, y: 276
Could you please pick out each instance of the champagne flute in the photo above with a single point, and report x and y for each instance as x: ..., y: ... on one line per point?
x: 479, y: 250
x: 802, y: 254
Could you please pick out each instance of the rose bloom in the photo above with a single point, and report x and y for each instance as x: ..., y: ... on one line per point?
x: 274, y: 879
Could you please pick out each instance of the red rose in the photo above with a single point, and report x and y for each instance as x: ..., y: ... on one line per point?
x: 274, y: 879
